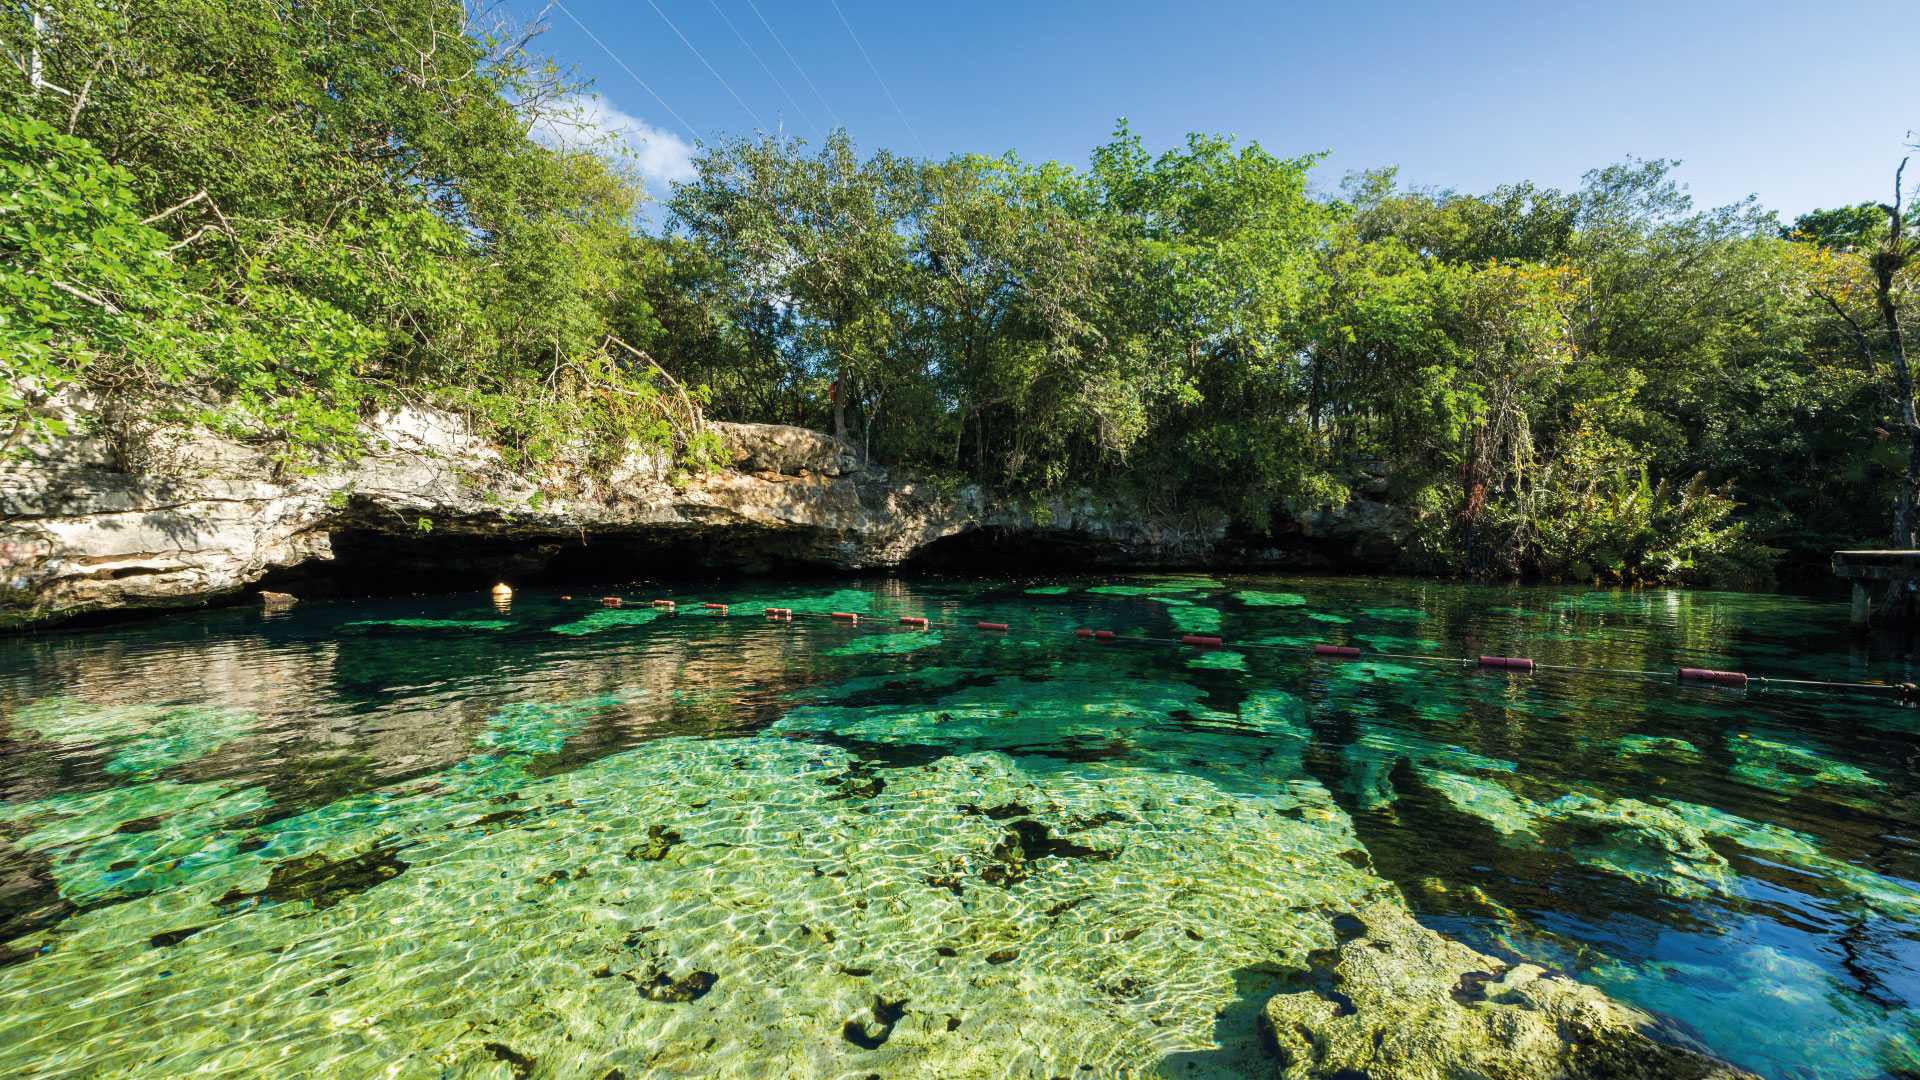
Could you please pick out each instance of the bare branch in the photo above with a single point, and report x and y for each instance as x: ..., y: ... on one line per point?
x: 195, y: 235
x: 86, y: 90
x: 82, y: 294
x: 176, y: 207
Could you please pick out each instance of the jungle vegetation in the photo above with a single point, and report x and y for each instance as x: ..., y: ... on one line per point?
x: 275, y: 219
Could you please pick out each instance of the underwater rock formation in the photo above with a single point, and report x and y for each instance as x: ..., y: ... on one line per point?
x: 430, y: 504
x: 1396, y: 1001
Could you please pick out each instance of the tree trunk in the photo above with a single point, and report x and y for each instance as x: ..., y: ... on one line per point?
x: 1887, y: 264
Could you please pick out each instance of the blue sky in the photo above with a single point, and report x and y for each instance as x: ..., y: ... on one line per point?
x: 1803, y: 105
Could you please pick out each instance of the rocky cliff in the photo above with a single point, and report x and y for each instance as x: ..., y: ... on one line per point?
x: 430, y: 505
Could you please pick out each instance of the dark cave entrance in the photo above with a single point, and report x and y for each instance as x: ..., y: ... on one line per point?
x: 369, y: 562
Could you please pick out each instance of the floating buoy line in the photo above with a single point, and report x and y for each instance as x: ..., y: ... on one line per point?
x: 1905, y: 694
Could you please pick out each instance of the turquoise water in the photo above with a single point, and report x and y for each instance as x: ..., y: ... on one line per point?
x: 440, y: 837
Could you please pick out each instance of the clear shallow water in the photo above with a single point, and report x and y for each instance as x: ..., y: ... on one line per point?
x: 433, y: 837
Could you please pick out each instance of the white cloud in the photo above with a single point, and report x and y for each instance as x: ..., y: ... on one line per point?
x: 590, y: 122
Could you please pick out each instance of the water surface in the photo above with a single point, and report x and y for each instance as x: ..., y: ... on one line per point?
x: 436, y: 837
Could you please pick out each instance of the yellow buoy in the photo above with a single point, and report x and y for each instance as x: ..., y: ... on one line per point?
x: 502, y: 591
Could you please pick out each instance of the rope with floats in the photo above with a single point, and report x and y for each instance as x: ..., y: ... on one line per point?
x: 1905, y: 694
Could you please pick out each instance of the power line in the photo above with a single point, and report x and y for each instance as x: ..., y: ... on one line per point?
x: 623, y: 67
x: 877, y: 77
x: 775, y: 34
x: 762, y: 124
x: 751, y: 51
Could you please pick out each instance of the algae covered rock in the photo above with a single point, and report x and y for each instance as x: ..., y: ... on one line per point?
x: 1396, y: 1001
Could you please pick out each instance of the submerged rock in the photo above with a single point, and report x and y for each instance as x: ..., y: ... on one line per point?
x: 1396, y: 1001
x: 659, y: 841
x: 322, y: 880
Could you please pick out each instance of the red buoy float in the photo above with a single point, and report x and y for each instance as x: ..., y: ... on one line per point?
x: 1204, y: 640
x: 610, y: 601
x: 721, y: 608
x: 845, y: 616
x: 991, y: 625
x: 1103, y: 635
x: 1083, y: 632
x: 914, y: 621
x: 1510, y: 663
x: 1335, y: 650
x: 779, y: 613
x: 1719, y: 678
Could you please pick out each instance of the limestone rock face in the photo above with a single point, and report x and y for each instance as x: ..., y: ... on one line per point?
x: 201, y: 516
x: 1396, y: 1001
x: 790, y: 451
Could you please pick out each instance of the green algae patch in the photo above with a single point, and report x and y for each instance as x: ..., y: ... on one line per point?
x: 1746, y: 833
x: 1074, y: 709
x: 1189, y: 617
x: 1603, y: 602
x: 1369, y: 761
x: 71, y: 722
x: 1363, y: 670
x: 1048, y: 590
x: 1875, y: 892
x: 859, y: 601
x: 1394, y: 614
x: 430, y: 625
x: 1219, y: 660
x: 1289, y: 641
x: 1329, y: 618
x: 1516, y: 612
x: 1654, y: 744
x: 888, y: 644
x: 1777, y: 765
x: 1642, y: 842
x: 1393, y: 992
x: 135, y: 840
x: 1396, y: 643
x: 1191, y: 580
x: 915, y: 680
x: 179, y: 736
x: 544, y: 727
x: 1275, y: 712
x: 1645, y: 843
x: 610, y: 619
x: 149, y: 738
x: 1173, y: 588
x: 1488, y: 799
x: 1256, y: 598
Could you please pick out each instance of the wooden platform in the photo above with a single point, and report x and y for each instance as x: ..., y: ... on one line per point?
x: 1861, y: 567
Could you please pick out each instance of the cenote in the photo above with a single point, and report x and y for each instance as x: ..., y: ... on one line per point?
x: 435, y: 837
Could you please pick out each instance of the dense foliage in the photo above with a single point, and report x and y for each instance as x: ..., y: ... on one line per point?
x: 276, y: 219
x: 288, y: 215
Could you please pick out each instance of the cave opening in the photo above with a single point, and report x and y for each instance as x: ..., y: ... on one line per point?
x: 370, y: 562
x: 1000, y: 551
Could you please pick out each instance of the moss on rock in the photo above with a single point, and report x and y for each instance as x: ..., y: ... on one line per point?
x: 1397, y: 1001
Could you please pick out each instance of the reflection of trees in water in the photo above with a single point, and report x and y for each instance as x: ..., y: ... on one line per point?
x: 346, y: 714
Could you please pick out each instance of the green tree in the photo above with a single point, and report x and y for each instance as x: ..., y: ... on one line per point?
x: 1013, y: 303
x: 820, y: 234
x: 1216, y: 252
